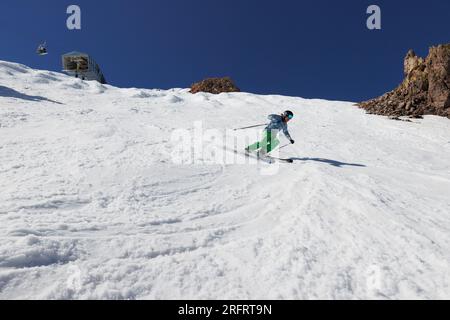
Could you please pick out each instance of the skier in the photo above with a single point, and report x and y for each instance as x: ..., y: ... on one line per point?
x: 270, y: 138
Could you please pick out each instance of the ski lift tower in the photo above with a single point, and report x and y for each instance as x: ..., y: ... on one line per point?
x: 81, y: 65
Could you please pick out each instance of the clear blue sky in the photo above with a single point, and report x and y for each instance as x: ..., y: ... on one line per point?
x: 313, y: 49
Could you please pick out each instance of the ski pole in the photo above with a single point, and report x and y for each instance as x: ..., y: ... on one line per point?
x: 259, y: 125
x: 287, y: 145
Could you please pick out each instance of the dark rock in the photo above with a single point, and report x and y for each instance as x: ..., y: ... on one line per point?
x: 424, y: 91
x: 215, y: 86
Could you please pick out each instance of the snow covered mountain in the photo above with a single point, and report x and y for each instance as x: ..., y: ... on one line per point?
x: 92, y: 205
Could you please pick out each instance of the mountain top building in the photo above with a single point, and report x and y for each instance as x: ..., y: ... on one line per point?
x: 81, y: 65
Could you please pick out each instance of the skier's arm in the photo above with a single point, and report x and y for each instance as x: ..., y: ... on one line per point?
x: 287, y: 134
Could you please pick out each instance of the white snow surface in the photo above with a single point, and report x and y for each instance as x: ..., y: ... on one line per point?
x: 93, y: 207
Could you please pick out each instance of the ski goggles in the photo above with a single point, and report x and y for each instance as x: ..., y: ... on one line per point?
x: 291, y: 116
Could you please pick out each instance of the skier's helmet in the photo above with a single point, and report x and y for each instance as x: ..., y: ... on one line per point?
x: 288, y: 114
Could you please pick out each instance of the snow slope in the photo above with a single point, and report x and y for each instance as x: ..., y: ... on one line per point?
x: 93, y: 207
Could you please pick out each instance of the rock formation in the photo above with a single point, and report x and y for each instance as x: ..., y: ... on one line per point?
x: 425, y: 90
x: 215, y: 86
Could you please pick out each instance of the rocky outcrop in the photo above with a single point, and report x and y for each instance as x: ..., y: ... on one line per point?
x: 424, y: 91
x: 215, y: 86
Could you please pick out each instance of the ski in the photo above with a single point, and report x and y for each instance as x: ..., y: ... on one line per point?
x: 281, y: 159
x: 267, y: 158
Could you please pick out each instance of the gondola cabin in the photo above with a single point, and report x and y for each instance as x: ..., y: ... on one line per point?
x: 42, y: 49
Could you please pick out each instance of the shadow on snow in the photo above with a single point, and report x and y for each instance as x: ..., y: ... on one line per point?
x: 330, y: 162
x: 11, y: 93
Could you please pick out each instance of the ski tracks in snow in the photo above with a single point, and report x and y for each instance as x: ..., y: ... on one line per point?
x: 92, y: 206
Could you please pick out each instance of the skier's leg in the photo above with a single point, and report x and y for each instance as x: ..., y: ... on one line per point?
x: 254, y: 147
x: 272, y: 143
x: 265, y: 143
x: 258, y: 145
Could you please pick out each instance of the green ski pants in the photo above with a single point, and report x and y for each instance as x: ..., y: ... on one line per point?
x: 267, y: 144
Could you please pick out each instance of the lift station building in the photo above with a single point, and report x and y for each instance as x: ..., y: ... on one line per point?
x: 81, y: 65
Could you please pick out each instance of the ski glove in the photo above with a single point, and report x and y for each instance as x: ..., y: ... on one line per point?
x: 292, y: 141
